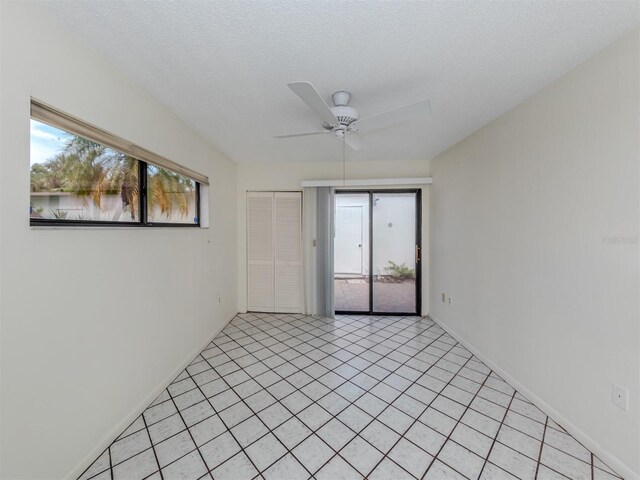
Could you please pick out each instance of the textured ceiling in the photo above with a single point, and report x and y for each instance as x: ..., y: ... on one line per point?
x: 223, y: 66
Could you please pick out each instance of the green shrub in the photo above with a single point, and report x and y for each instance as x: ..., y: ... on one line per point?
x: 401, y: 272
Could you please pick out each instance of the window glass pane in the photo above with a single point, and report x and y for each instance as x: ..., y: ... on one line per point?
x: 394, y: 252
x: 351, y: 252
x: 171, y: 198
x: 73, y: 178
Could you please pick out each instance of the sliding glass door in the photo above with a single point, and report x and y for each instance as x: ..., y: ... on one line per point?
x: 376, y: 252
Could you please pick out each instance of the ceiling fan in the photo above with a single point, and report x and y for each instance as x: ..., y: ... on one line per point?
x: 344, y: 121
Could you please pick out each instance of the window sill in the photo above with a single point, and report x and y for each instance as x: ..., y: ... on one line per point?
x: 113, y: 227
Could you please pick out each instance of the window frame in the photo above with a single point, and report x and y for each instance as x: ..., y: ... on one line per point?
x: 142, y: 176
x: 166, y: 164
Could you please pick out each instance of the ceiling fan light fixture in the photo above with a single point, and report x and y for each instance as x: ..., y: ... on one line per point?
x: 341, y: 98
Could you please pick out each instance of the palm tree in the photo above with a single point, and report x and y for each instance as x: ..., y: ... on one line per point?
x: 48, y: 176
x: 91, y: 171
x: 168, y: 191
x: 95, y: 170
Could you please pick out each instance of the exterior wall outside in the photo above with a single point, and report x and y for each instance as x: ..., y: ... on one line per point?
x: 394, y: 222
x: 83, y: 208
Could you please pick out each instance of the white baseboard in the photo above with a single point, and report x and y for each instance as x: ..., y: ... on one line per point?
x: 137, y: 411
x: 616, y: 464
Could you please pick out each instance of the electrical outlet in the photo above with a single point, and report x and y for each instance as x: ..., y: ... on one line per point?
x: 450, y: 301
x: 444, y: 297
x: 620, y: 397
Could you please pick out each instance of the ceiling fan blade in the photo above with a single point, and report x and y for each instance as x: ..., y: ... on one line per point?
x: 309, y: 95
x: 392, y: 117
x: 301, y: 134
x: 354, y: 141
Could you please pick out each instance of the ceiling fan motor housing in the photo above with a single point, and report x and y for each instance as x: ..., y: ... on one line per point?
x: 345, y: 115
x: 343, y: 112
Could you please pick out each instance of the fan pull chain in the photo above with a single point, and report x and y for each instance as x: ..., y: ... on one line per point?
x: 344, y: 161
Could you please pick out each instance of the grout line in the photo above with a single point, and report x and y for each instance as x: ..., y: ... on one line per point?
x: 152, y: 447
x: 544, y: 433
x: 498, y: 432
x: 110, y: 462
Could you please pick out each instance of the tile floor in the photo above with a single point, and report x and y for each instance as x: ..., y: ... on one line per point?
x: 389, y: 398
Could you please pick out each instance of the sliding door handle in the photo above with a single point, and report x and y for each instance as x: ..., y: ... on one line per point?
x: 417, y: 253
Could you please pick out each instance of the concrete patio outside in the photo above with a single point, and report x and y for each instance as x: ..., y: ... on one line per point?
x: 352, y: 294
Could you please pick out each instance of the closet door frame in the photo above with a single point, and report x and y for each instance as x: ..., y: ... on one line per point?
x: 271, y: 194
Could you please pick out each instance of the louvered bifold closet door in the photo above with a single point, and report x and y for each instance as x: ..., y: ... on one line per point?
x: 288, y: 255
x: 260, y: 252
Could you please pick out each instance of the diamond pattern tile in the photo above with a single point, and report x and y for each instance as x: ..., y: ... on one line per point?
x: 299, y: 397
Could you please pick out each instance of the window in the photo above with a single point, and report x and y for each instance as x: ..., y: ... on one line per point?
x: 81, y: 179
x: 170, y: 197
x: 73, y: 178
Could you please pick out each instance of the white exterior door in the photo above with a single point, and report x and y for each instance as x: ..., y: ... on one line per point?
x: 348, y: 240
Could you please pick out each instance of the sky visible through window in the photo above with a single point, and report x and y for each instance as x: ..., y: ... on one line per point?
x: 46, y: 141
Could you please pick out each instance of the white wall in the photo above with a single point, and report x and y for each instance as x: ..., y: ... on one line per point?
x: 287, y: 176
x: 520, y: 216
x: 95, y: 320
